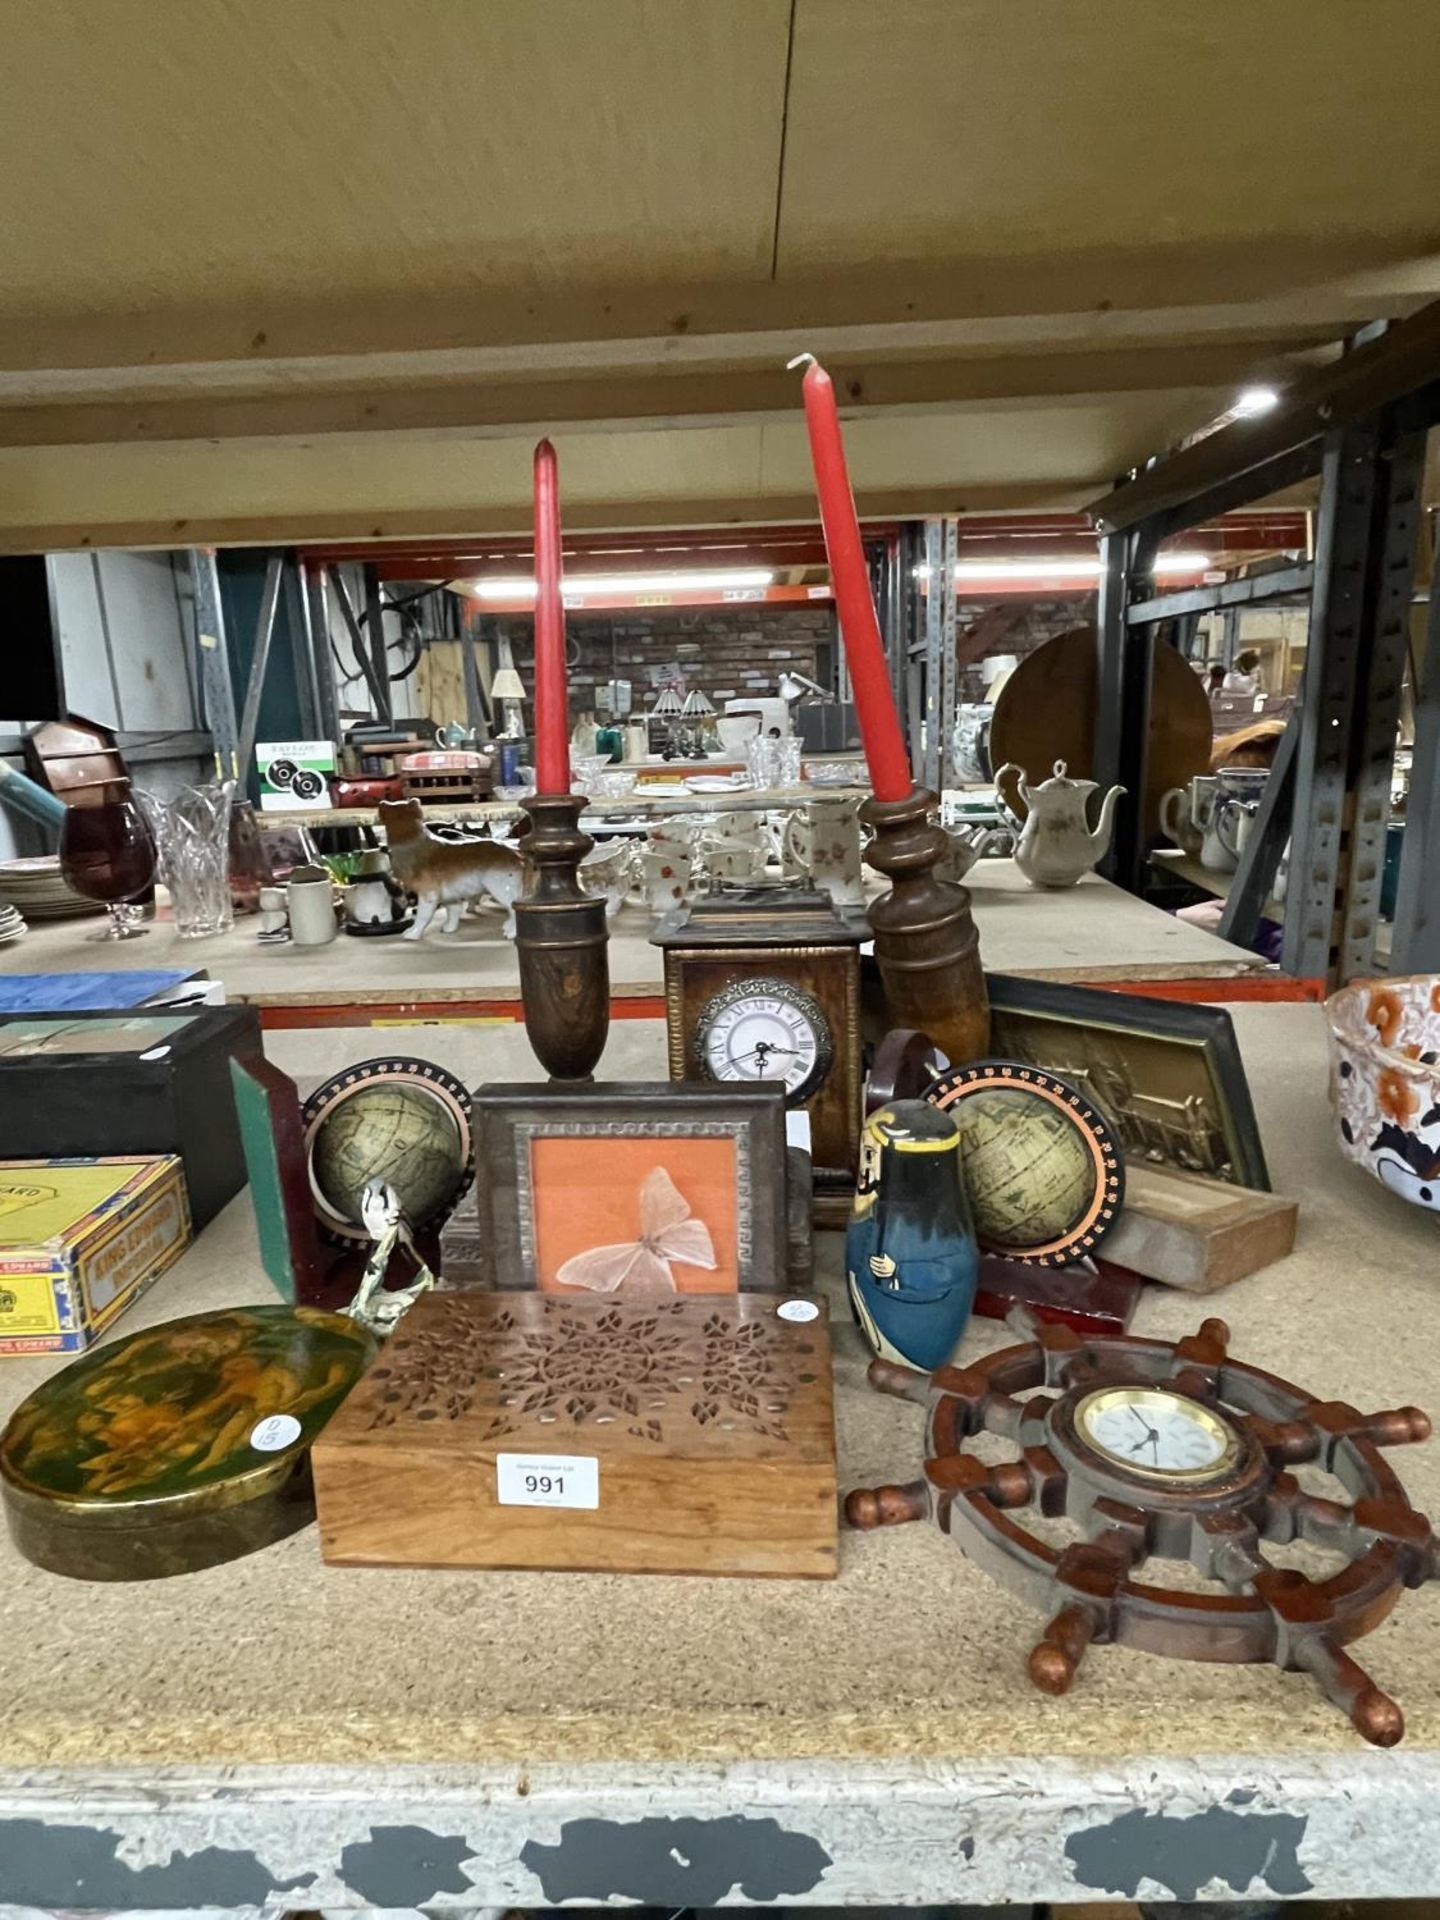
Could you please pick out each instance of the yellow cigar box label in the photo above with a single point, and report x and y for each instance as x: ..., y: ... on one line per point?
x: 135, y: 1252
x: 41, y: 1203
x: 27, y: 1305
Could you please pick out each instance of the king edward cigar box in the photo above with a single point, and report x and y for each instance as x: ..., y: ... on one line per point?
x: 682, y: 1435
x: 179, y: 1446
x: 79, y: 1241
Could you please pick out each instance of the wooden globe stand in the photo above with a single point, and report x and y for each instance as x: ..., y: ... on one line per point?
x: 1089, y: 1589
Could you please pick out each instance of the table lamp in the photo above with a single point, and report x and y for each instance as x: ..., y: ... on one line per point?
x: 667, y: 710
x: 508, y: 688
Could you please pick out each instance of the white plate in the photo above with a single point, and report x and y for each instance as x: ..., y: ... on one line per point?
x: 717, y: 783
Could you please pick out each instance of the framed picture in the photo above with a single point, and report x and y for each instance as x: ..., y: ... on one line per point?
x: 1166, y: 1073
x: 629, y: 1190
x: 287, y: 845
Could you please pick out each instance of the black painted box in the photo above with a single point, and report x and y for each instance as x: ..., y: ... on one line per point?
x: 148, y: 1081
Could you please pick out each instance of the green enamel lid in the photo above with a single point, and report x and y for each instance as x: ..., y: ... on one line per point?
x: 182, y: 1419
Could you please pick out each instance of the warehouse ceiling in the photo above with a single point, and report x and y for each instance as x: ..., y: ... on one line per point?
x: 323, y: 271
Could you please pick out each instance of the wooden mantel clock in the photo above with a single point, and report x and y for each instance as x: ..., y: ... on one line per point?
x: 762, y: 982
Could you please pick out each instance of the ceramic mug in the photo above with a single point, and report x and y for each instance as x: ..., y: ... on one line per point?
x: 823, y: 842
x: 1177, y: 819
x: 746, y: 828
x: 757, y: 831
x: 1216, y: 855
x: 1241, y: 783
x: 666, y: 871
x: 1235, y: 822
x: 310, y: 899
x: 1233, y: 787
x: 729, y: 860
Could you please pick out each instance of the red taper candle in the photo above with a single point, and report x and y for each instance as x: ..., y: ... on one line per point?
x: 885, y: 753
x: 552, y: 699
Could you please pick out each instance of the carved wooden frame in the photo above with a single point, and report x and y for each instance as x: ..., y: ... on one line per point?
x: 507, y: 1119
x: 1206, y: 1033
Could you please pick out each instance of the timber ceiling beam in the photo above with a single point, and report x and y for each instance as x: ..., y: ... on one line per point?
x: 215, y: 528
x: 515, y: 405
x: 1086, y: 298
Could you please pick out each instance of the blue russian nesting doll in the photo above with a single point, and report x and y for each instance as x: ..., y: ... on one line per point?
x: 910, y: 1254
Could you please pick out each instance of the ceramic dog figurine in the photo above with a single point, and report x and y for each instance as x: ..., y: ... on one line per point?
x: 448, y: 873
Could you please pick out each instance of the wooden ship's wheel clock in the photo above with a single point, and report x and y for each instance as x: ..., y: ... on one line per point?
x: 1177, y: 1451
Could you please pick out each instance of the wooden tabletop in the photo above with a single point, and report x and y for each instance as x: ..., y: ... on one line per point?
x: 664, y: 794
x: 1093, y: 931
x: 278, y: 1728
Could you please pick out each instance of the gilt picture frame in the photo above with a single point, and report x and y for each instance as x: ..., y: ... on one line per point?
x: 630, y: 1189
x: 1166, y: 1073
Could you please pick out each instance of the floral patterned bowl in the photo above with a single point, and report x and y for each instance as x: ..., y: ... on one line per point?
x: 1385, y: 1081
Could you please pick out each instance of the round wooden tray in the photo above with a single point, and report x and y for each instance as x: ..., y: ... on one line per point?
x: 1046, y: 712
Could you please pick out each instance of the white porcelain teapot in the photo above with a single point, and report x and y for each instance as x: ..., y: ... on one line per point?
x: 1057, y: 845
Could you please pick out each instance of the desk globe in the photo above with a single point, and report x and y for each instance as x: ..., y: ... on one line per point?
x: 406, y: 1122
x: 1042, y: 1170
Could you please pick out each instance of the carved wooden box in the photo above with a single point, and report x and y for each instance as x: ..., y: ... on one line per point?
x: 697, y: 1432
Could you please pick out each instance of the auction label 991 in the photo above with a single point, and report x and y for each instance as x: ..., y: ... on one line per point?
x: 547, y: 1480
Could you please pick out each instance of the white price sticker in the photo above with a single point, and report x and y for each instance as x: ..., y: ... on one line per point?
x: 798, y: 1311
x: 547, y: 1480
x: 280, y: 1430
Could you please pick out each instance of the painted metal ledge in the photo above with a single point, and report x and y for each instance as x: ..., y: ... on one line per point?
x: 1331, y: 1826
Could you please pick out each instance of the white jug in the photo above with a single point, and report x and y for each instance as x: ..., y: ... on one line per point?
x: 823, y: 843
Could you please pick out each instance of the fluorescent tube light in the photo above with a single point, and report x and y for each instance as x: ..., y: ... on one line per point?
x: 1251, y: 401
x: 522, y: 587
x: 1064, y: 566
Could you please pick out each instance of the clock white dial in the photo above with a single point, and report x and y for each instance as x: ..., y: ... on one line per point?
x: 765, y: 1030
x: 1152, y: 1431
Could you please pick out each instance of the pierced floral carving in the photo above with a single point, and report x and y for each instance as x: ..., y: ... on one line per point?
x: 647, y: 1368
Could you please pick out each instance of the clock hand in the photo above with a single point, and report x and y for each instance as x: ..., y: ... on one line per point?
x: 764, y: 1050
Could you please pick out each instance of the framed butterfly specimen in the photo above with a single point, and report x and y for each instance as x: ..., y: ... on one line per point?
x: 629, y: 1190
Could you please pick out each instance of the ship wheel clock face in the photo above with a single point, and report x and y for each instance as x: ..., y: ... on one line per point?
x: 1157, y: 1435
x: 764, y: 1029
x: 1173, y: 1452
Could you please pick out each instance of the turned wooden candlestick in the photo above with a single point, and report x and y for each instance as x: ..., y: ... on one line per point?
x: 925, y: 941
x: 562, y: 942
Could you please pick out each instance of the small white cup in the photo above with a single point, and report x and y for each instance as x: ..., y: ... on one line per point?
x: 310, y: 898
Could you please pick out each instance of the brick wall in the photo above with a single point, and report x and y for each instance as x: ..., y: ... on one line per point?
x: 727, y: 653
x: 1030, y: 623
